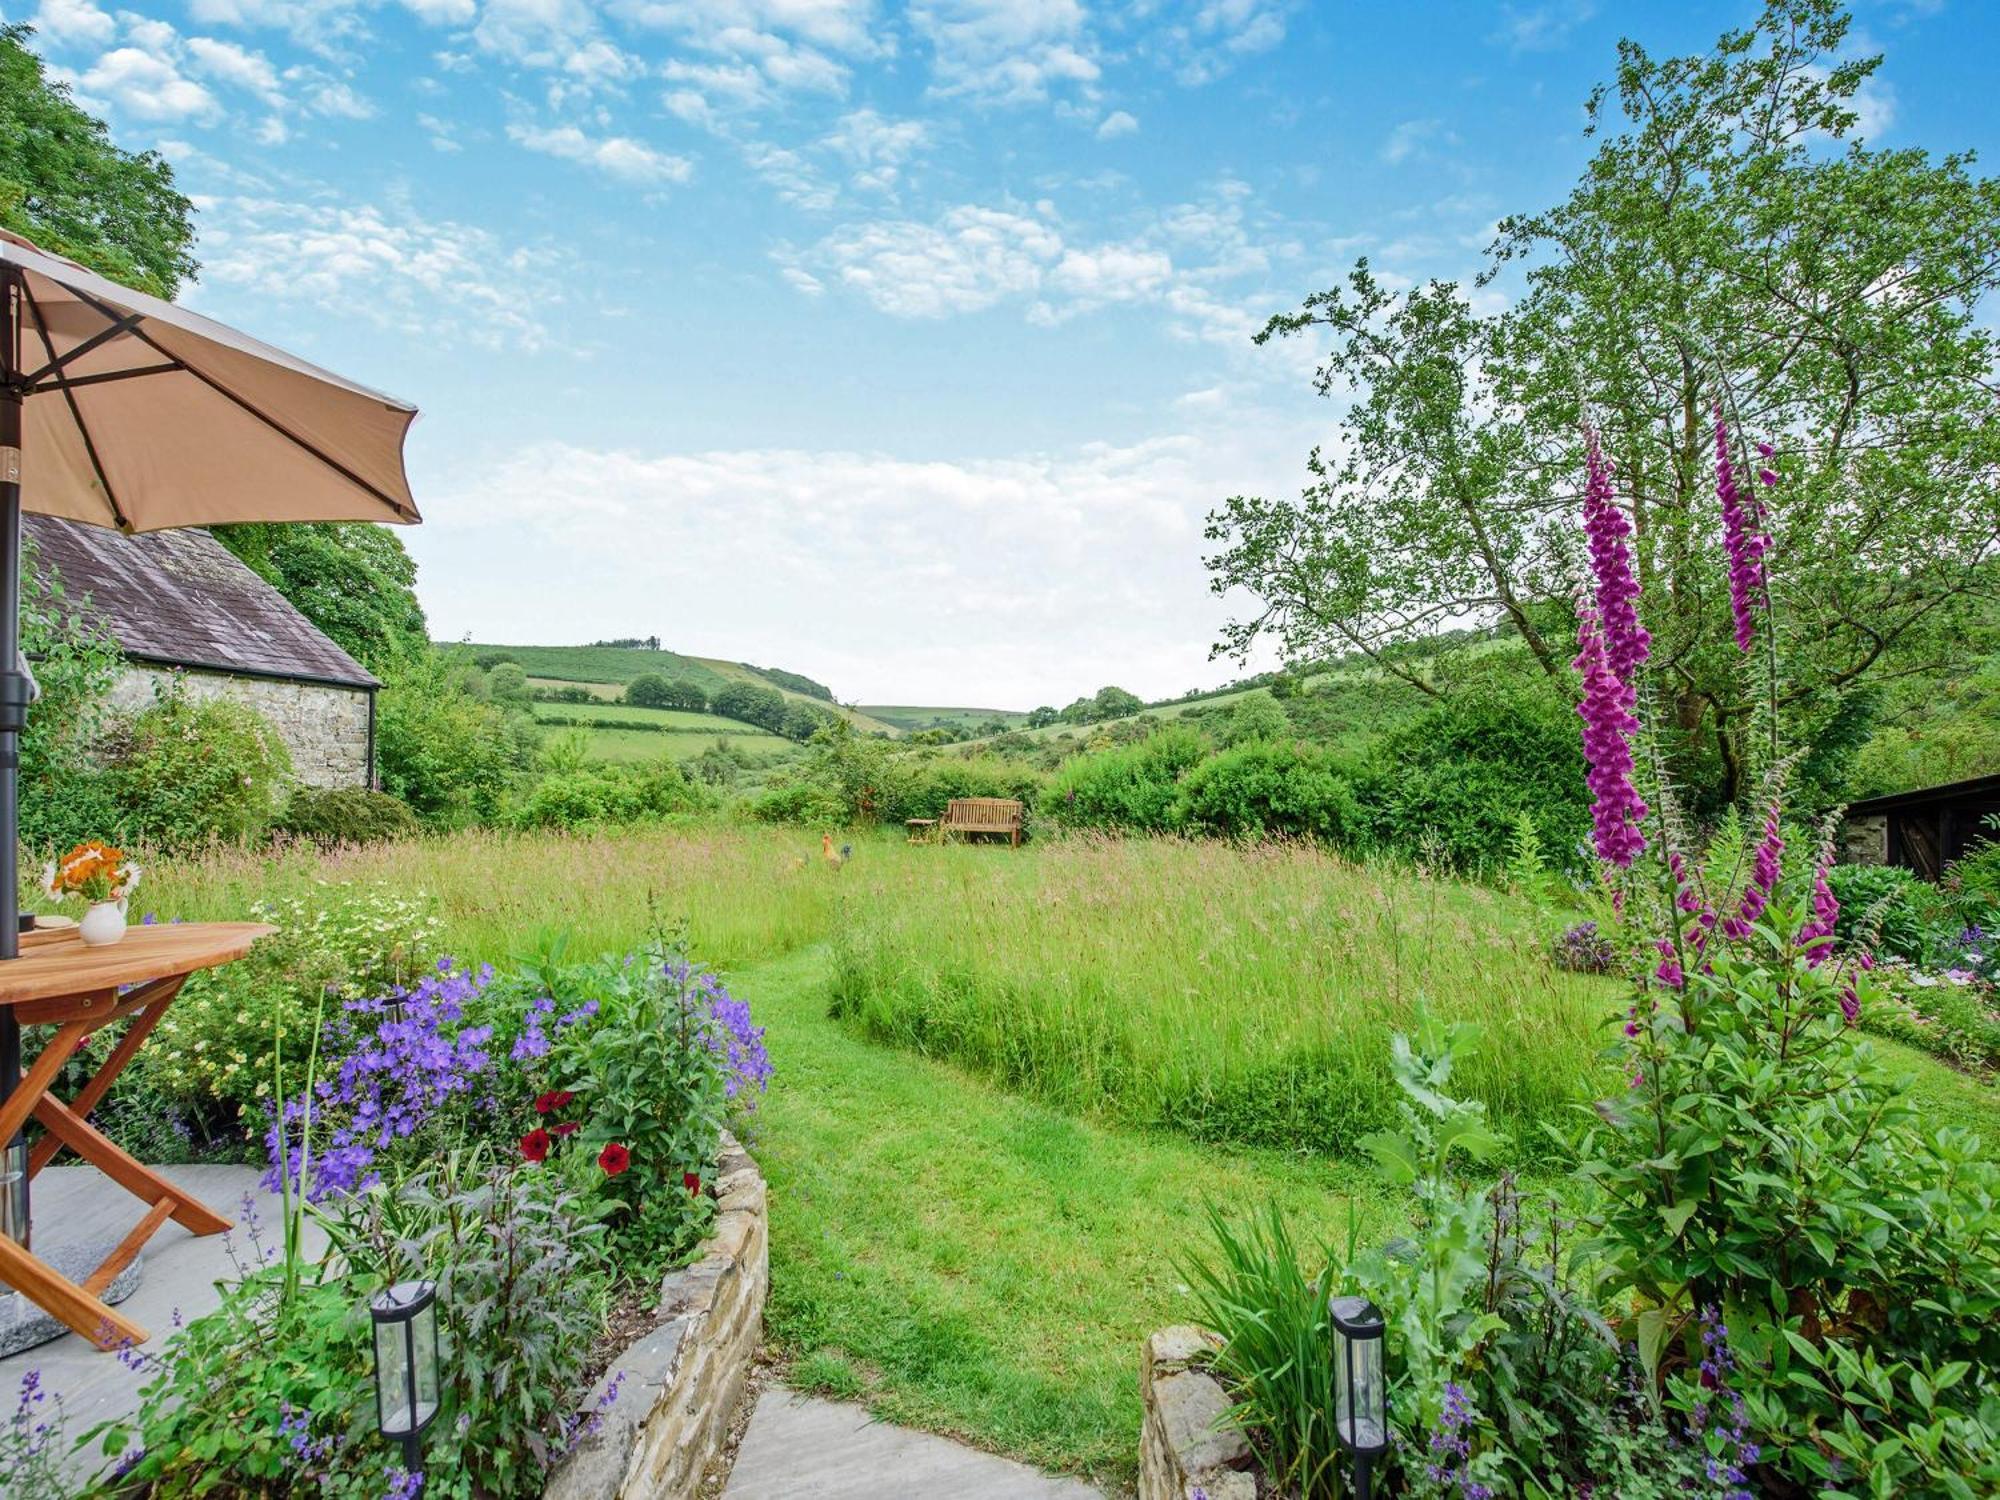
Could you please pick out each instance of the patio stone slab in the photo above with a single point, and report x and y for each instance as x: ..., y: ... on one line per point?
x: 77, y: 1205
x: 802, y: 1448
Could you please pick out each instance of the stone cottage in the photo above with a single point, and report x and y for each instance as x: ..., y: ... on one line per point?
x: 181, y: 601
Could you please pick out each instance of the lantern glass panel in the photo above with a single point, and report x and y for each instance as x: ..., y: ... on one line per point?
x: 1360, y: 1398
x: 406, y: 1362
x: 14, y: 1191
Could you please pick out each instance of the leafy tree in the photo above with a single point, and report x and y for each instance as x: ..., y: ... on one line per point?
x: 802, y: 721
x: 352, y: 579
x: 507, y: 683
x: 649, y: 690
x: 1732, y: 242
x: 687, y: 695
x: 1116, y: 703
x: 751, y: 704
x: 1257, y: 716
x: 64, y: 796
x: 442, y: 748
x: 1042, y: 717
x: 65, y: 186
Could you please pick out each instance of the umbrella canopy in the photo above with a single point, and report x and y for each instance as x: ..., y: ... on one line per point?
x: 142, y: 415
x: 122, y: 410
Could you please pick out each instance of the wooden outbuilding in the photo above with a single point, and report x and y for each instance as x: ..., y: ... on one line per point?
x: 1924, y: 830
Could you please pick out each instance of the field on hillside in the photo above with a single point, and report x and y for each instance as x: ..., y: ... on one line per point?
x: 912, y: 719
x: 610, y: 667
x: 672, y: 733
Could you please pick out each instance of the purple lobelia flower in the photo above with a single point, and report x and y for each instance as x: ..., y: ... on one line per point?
x: 1743, y: 538
x: 1605, y: 526
x: 1606, y: 710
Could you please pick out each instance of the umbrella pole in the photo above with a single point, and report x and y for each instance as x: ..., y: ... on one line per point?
x: 13, y: 718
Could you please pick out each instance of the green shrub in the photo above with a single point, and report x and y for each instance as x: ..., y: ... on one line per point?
x: 649, y: 690
x: 208, y: 1065
x: 1269, y: 787
x: 1456, y: 777
x: 443, y: 749
x: 189, y: 770
x: 1135, y: 787
x: 1884, y: 908
x: 797, y: 802
x: 934, y: 783
x: 65, y: 795
x: 346, y: 815
x: 581, y: 796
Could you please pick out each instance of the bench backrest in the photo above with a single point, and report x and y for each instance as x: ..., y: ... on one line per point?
x: 983, y: 814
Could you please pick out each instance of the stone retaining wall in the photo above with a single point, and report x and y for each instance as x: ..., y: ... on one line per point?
x: 681, y: 1381
x: 1187, y: 1450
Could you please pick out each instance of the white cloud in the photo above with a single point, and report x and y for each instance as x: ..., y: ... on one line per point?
x: 970, y: 259
x: 1208, y: 42
x: 803, y: 281
x: 1543, y: 28
x: 1038, y: 576
x: 427, y: 279
x: 1411, y: 137
x: 146, y: 86
x: 877, y: 148
x: 75, y: 21
x: 789, y: 174
x: 616, y: 156
x: 1006, y: 51
x: 534, y: 33
x: 442, y: 12
x: 1117, y: 123
x: 228, y: 63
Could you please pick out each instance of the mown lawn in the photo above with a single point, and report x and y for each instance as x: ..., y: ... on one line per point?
x: 973, y: 1262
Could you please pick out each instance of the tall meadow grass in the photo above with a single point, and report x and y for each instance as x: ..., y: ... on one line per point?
x: 747, y: 894
x: 1243, y: 995
x: 1235, y: 994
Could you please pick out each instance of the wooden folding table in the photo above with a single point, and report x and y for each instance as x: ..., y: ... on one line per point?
x: 60, y: 981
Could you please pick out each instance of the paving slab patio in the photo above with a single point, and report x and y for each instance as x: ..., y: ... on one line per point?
x: 802, y: 1448
x: 76, y: 1203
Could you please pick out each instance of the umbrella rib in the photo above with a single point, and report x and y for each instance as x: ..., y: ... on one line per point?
x: 104, y: 336
x: 139, y: 332
x: 74, y: 381
x: 75, y: 411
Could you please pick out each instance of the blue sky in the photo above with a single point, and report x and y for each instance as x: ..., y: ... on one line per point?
x: 905, y: 345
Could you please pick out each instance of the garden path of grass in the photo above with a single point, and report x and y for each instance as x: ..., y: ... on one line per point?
x: 976, y: 1264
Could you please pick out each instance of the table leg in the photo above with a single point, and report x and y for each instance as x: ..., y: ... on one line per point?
x: 128, y: 1047
x: 104, y: 1326
x: 127, y: 1171
x: 35, y: 1082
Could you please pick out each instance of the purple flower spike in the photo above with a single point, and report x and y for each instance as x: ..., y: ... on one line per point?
x: 1626, y: 643
x: 1741, y: 538
x: 1616, y: 809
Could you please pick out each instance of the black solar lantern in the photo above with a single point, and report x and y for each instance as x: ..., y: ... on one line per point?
x: 406, y: 1365
x: 1361, y: 1400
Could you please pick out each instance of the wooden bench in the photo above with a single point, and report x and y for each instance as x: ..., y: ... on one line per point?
x: 964, y: 816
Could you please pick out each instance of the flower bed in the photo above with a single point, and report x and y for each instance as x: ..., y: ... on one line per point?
x: 543, y: 1146
x: 667, y: 1397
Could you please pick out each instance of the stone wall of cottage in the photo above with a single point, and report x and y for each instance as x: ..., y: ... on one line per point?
x: 681, y: 1382
x: 325, y: 728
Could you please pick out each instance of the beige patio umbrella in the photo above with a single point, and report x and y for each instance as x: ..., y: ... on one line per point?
x: 122, y: 410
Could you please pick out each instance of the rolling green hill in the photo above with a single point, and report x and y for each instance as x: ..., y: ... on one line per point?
x: 912, y: 719
x: 606, y: 669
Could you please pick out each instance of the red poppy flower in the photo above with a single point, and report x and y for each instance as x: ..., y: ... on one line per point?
x: 614, y: 1158
x: 568, y: 1127
x: 552, y: 1100
x: 535, y: 1145
x: 691, y: 1182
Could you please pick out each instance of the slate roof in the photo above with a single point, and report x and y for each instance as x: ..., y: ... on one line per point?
x: 181, y: 598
